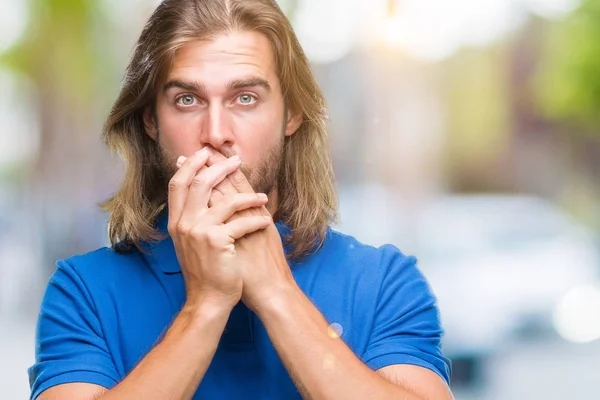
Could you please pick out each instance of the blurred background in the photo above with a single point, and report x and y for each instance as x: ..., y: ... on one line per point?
x: 465, y: 132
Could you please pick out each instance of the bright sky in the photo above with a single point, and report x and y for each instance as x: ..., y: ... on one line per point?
x: 328, y: 29
x: 13, y: 20
x: 425, y: 29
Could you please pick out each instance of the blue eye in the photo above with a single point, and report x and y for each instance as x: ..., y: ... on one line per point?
x: 246, y: 99
x: 186, y: 100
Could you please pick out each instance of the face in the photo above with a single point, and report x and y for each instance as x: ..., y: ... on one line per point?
x: 225, y: 94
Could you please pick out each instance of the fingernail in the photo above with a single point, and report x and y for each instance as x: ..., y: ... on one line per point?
x: 262, y: 196
x: 202, y: 152
x: 235, y: 158
x: 181, y: 160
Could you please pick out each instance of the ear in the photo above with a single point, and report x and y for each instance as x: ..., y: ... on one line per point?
x: 150, y: 123
x: 294, y: 120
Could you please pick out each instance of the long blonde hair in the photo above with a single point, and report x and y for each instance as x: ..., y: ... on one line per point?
x: 306, y: 190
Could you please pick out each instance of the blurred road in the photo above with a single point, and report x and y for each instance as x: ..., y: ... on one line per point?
x: 548, y: 369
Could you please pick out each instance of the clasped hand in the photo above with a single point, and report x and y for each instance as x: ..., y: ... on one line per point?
x: 225, y: 240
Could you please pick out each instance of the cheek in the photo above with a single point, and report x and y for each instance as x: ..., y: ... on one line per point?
x: 177, y: 132
x: 255, y: 135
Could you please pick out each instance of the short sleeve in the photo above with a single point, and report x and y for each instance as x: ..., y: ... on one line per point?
x: 407, y: 328
x: 70, y: 346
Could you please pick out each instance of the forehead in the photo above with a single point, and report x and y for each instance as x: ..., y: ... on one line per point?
x: 225, y: 57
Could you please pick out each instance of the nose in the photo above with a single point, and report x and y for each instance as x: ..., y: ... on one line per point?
x: 216, y: 129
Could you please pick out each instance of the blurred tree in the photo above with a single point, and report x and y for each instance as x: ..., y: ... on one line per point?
x: 67, y: 54
x: 567, y: 88
x: 476, y: 89
x: 568, y: 85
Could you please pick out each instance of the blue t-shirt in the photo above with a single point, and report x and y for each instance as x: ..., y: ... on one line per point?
x: 103, y: 312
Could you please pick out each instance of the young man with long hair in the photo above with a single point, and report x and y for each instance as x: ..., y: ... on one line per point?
x: 224, y: 279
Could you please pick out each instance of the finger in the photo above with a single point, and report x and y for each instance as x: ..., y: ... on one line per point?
x: 180, y: 182
x: 217, y: 196
x: 220, y: 213
x: 236, y: 182
x: 202, y: 185
x: 240, y: 227
x: 239, y: 181
x: 223, y: 188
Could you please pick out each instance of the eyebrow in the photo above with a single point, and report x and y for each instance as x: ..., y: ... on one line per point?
x: 233, y: 85
x: 247, y: 83
x: 190, y: 86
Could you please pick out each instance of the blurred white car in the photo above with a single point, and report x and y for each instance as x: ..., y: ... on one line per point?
x: 499, y: 264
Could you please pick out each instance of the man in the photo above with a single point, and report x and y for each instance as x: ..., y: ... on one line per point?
x: 224, y: 280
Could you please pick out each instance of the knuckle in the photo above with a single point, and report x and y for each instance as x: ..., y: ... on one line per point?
x: 175, y: 184
x: 197, y: 180
x: 183, y: 228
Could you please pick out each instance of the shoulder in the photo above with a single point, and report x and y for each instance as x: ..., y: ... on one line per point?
x: 386, y: 271
x: 344, y: 261
x: 381, y: 260
x: 98, y: 280
x: 103, y: 265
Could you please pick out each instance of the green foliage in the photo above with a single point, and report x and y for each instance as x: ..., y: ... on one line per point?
x: 60, y: 48
x: 568, y: 85
x: 478, y: 113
